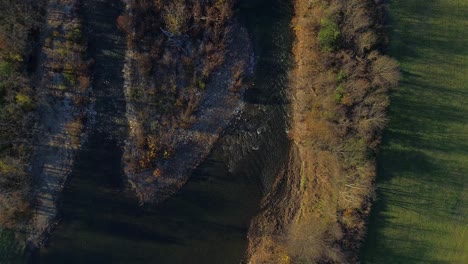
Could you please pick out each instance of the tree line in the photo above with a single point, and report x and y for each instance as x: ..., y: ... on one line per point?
x: 19, y: 20
x: 340, y: 98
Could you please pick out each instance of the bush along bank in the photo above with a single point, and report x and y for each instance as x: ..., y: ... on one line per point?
x: 184, y: 72
x: 339, y: 95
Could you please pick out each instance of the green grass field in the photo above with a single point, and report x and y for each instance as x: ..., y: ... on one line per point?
x: 421, y: 215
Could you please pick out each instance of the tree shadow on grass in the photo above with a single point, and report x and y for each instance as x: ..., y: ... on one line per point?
x: 420, y: 172
x: 399, y: 247
x: 406, y: 166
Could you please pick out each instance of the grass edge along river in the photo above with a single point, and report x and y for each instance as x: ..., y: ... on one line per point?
x: 421, y: 212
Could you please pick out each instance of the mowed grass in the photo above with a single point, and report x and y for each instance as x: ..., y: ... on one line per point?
x: 421, y: 215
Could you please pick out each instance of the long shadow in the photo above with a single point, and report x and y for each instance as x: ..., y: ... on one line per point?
x: 416, y: 173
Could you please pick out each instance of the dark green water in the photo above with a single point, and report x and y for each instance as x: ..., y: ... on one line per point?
x: 207, y: 221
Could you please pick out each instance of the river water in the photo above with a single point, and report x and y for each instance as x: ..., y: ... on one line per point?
x: 208, y: 219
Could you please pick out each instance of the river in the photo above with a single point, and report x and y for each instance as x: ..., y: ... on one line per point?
x: 208, y: 219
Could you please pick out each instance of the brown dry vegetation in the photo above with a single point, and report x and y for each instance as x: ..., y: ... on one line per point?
x: 18, y: 21
x: 177, y: 45
x: 339, y: 97
x: 64, y: 48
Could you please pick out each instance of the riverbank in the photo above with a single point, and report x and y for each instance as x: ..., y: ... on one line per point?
x: 421, y: 212
x: 207, y: 220
x: 317, y: 210
x: 51, y: 102
x: 184, y: 82
x: 62, y: 105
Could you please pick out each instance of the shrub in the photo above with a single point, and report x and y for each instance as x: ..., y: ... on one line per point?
x: 24, y: 101
x: 201, y: 84
x: 367, y: 41
x: 6, y: 168
x: 70, y: 77
x: 48, y: 42
x: 6, y: 69
x: 341, y: 76
x: 339, y: 92
x: 62, y: 87
x: 63, y: 51
x: 175, y: 17
x: 74, y: 35
x: 145, y: 65
x: 123, y: 22
x: 328, y: 35
x: 136, y: 93
x: 83, y: 82
x: 385, y: 72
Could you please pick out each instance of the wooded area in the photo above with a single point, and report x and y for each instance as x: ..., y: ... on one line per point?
x: 176, y: 48
x: 19, y: 24
x: 339, y: 96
